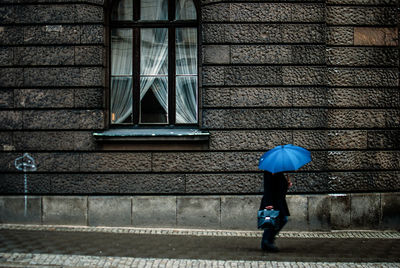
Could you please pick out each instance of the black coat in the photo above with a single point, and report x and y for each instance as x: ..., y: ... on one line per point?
x: 275, y: 189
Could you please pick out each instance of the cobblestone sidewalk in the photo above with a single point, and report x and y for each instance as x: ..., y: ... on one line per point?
x: 66, y: 261
x: 369, y: 234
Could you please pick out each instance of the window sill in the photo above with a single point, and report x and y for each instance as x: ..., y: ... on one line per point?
x: 153, y: 139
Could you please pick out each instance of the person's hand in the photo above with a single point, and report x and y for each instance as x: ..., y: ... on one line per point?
x: 269, y: 207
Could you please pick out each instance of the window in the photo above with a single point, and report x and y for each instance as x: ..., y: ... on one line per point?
x: 154, y: 72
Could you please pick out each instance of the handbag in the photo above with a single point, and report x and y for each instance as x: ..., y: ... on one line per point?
x: 268, y: 219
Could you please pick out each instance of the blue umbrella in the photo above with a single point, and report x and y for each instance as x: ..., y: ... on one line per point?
x: 287, y: 157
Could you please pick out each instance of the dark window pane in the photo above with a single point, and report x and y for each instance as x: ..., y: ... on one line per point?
x: 121, y: 100
x: 123, y: 11
x: 154, y: 9
x: 154, y: 103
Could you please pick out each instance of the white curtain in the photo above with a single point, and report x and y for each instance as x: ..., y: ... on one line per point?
x: 121, y: 74
x: 186, y: 75
x: 154, y: 64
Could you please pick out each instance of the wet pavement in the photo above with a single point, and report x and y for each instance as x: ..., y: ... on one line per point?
x: 197, y: 247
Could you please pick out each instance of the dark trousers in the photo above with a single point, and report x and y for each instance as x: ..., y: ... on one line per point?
x: 269, y: 234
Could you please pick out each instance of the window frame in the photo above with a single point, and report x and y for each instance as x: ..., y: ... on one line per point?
x: 136, y: 25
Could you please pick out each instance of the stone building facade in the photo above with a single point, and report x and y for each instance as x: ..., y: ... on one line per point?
x: 323, y: 74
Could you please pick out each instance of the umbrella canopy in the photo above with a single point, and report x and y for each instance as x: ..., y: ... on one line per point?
x: 287, y: 157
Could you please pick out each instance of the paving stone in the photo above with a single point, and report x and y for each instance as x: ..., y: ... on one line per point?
x: 154, y: 211
x: 13, y: 210
x: 198, y: 211
x: 66, y: 210
x: 44, y: 98
x: 109, y: 211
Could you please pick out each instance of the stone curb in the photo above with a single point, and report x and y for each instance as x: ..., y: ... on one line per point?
x: 56, y: 260
x: 367, y: 234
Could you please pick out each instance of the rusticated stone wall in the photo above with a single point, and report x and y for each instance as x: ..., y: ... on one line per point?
x: 319, y: 74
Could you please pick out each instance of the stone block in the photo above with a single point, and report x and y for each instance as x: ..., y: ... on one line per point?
x: 363, y: 118
x: 199, y: 212
x: 253, y: 75
x: 348, y: 160
x: 205, y: 162
x: 216, y: 54
x: 92, y: 34
x: 51, y: 119
x: 53, y: 140
x: 6, y: 56
x: 10, y: 119
x: 216, y: 97
x: 216, y: 12
x: 85, y: 13
x: 79, y: 184
x: 44, y: 98
x: 213, y: 75
x: 11, y: 35
x: 8, y: 14
x: 56, y: 162
x: 365, y: 211
x: 261, y: 97
x: 52, y: 34
x: 304, y: 118
x: 356, y: 56
x: 6, y: 98
x: 11, y: 77
x: 319, y: 212
x: 298, y: 213
x: 390, y: 211
x: 350, y: 15
x: 20, y: 209
x: 310, y: 54
x: 154, y: 211
x: 49, y: 55
x: 46, y: 14
x: 339, y: 35
x: 383, y: 139
x: 213, y: 33
x: 10, y: 183
x: 242, y: 118
x: 382, y: 36
x: 239, y: 212
x: 299, y: 75
x: 359, y: 97
x: 109, y: 211
x: 248, y: 139
x: 120, y: 162
x: 6, y: 141
x: 309, y: 182
x: 91, y: 119
x: 223, y: 183
x: 339, y: 139
x: 56, y: 76
x: 340, y: 213
x: 65, y: 210
x: 89, y: 55
x: 92, y: 77
x: 309, y: 97
x: 151, y: 183
x: 374, y: 77
x: 88, y: 98
x: 302, y: 33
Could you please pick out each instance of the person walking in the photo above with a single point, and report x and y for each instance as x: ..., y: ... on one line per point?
x: 275, y: 189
